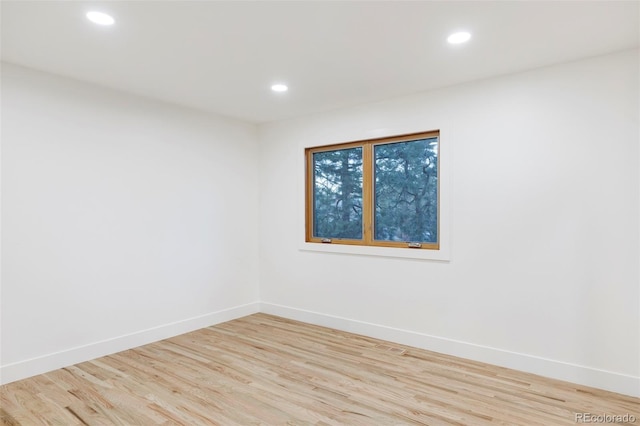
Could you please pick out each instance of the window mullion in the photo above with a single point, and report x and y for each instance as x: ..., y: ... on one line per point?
x: 367, y: 193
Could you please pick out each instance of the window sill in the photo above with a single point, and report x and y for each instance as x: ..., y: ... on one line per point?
x: 406, y: 253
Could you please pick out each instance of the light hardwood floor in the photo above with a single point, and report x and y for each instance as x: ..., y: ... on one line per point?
x: 266, y: 370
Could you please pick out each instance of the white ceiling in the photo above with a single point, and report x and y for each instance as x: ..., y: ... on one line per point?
x: 223, y: 56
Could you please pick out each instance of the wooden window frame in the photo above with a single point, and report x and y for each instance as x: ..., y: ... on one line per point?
x: 368, y: 188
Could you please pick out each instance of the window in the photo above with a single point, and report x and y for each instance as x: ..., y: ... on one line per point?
x: 380, y: 192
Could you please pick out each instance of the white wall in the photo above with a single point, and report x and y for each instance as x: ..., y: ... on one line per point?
x: 544, y: 270
x: 124, y: 221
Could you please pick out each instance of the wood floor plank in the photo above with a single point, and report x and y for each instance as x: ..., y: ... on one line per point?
x: 266, y: 370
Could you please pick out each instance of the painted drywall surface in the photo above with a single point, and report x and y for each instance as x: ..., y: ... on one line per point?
x: 119, y: 214
x: 545, y: 231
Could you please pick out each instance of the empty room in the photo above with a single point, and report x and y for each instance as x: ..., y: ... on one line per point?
x: 320, y: 213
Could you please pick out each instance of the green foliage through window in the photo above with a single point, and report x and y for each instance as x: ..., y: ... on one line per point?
x: 337, y: 198
x: 406, y: 191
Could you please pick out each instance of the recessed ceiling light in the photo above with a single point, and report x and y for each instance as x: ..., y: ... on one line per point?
x: 100, y: 18
x: 279, y: 88
x: 457, y: 38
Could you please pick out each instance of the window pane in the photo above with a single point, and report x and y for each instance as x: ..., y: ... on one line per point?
x: 337, y: 194
x: 406, y: 191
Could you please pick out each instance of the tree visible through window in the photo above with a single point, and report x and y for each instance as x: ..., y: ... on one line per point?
x: 378, y: 192
x: 337, y: 196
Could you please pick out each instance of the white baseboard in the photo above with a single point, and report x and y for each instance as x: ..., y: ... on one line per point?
x: 587, y: 376
x: 608, y: 380
x: 31, y: 367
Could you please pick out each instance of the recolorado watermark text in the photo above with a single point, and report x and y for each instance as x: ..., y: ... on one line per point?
x: 605, y: 418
